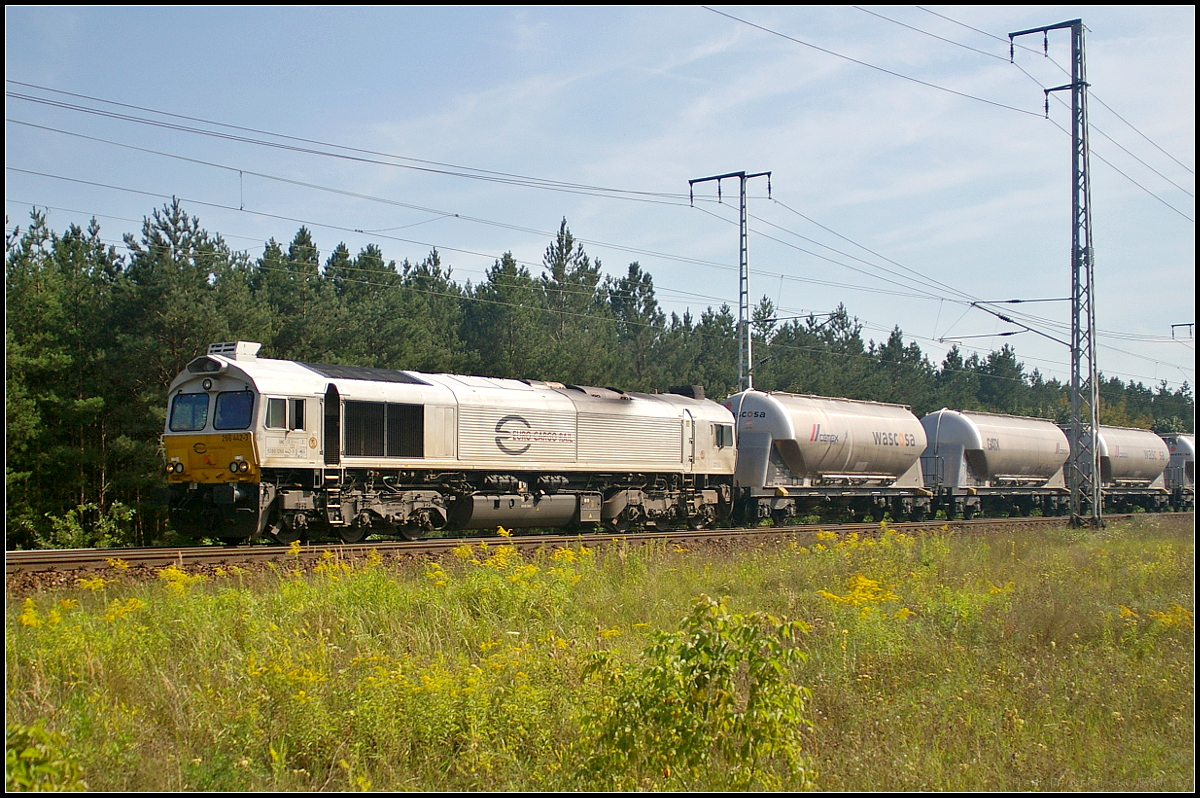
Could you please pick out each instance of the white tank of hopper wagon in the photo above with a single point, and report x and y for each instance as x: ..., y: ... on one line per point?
x: 1130, y: 457
x: 1181, y: 468
x: 971, y: 449
x: 793, y: 440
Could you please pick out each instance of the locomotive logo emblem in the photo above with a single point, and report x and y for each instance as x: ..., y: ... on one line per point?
x: 515, y: 435
x: 513, y: 429
x: 199, y: 448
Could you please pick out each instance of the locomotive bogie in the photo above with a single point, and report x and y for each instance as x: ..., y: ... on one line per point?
x: 666, y: 506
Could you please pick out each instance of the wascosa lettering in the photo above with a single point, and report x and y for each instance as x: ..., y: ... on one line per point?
x: 823, y: 437
x: 894, y: 439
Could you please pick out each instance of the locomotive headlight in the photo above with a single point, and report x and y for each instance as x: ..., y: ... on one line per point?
x: 233, y: 467
x: 179, y: 468
x: 207, y: 384
x: 243, y: 466
x: 170, y: 468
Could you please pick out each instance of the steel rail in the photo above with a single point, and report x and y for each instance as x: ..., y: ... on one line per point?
x: 88, y: 560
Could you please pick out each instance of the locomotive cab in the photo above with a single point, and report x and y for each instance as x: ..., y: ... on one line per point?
x: 220, y: 426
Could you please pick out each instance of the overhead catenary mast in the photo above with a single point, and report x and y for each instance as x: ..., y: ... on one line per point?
x: 745, y: 354
x: 1084, y: 465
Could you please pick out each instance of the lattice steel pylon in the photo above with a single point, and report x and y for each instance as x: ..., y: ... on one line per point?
x: 745, y: 338
x: 1083, y: 468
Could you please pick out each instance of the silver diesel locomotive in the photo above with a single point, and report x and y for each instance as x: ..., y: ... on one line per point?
x: 282, y: 449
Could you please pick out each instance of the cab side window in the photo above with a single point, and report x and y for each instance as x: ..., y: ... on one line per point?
x: 276, y: 413
x: 285, y: 414
x: 297, y: 413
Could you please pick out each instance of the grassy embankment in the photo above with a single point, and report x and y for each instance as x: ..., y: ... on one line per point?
x: 1059, y: 660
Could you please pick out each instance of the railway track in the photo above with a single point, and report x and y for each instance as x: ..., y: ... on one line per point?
x: 64, y: 565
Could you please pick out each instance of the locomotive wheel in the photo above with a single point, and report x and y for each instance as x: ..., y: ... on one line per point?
x: 702, y: 519
x: 280, y: 532
x: 627, y: 518
x: 410, y: 532
x: 285, y: 537
x: 353, y: 534
x: 619, y: 524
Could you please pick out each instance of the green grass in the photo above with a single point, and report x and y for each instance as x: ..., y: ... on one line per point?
x: 1049, y: 660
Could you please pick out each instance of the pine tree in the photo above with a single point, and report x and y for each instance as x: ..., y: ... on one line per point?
x: 640, y: 326
x: 503, y: 323
x: 582, y: 336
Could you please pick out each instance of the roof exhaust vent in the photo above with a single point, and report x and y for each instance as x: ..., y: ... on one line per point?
x: 690, y: 391
x: 236, y: 350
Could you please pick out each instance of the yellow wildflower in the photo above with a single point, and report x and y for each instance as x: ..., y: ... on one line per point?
x: 119, y: 608
x: 29, y: 614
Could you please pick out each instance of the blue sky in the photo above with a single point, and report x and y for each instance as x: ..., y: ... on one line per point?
x: 913, y: 170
